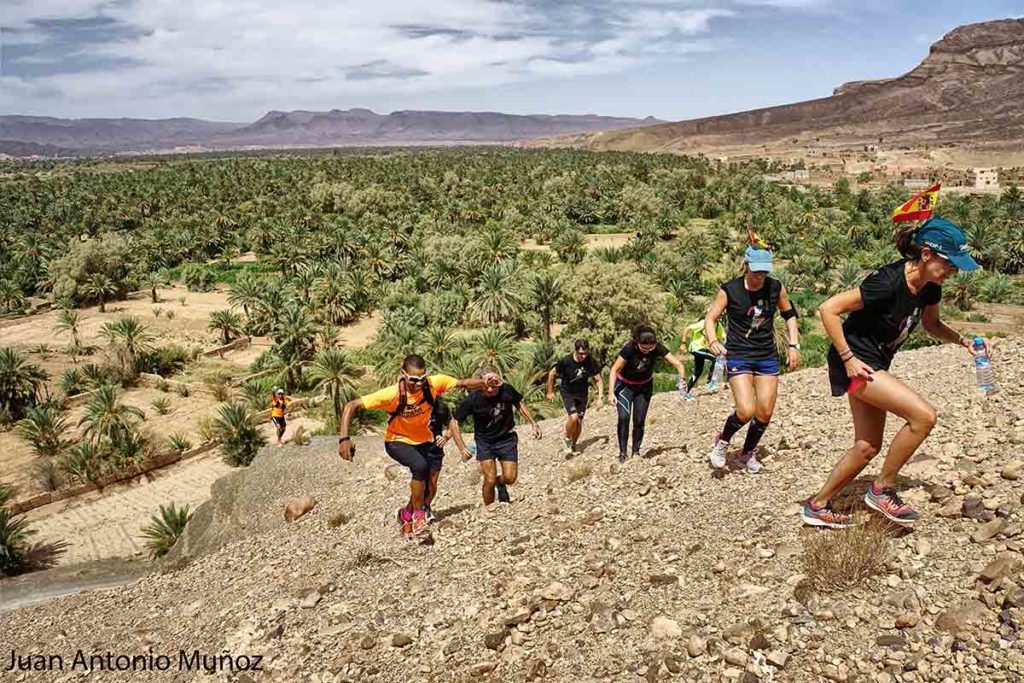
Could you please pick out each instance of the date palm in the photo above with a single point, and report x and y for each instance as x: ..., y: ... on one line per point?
x: 70, y: 320
x: 20, y: 382
x: 14, y: 536
x: 165, y: 528
x: 130, y: 337
x: 246, y: 292
x: 44, y: 428
x: 334, y: 373
x: 107, y: 418
x: 543, y: 294
x: 227, y: 323
x: 497, y: 346
x: 496, y: 298
x: 99, y: 287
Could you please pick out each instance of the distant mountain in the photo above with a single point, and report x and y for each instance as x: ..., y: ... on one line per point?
x: 970, y: 88
x: 299, y: 128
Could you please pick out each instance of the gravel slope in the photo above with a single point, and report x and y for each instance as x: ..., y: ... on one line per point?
x: 654, y: 570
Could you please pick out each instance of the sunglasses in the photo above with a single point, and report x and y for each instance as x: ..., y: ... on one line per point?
x: 415, y: 379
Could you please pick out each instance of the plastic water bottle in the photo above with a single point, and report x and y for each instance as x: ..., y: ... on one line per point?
x: 983, y: 372
x: 681, y: 385
x: 472, y: 448
x: 718, y: 374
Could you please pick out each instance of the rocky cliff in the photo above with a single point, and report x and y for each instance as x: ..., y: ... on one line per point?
x: 970, y: 88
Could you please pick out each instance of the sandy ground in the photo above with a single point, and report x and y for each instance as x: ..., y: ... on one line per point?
x: 615, y: 239
x: 17, y: 461
x: 358, y: 334
x: 106, y: 524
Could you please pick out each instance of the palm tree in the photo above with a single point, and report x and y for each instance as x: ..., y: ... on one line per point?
x: 333, y: 371
x: 84, y: 462
x: 246, y: 292
x: 497, y: 346
x: 164, y: 529
x: 130, y: 336
x: 20, y: 382
x: 236, y: 431
x: 44, y: 427
x: 99, y: 286
x: 438, y: 344
x: 70, y: 320
x: 227, y: 322
x: 544, y: 291
x: 153, y: 280
x: 12, y: 299
x: 960, y: 290
x: 496, y: 298
x: 294, y: 337
x: 107, y: 418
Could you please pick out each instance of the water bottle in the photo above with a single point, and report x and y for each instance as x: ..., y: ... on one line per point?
x: 718, y: 374
x: 681, y: 385
x: 983, y: 372
x: 472, y: 448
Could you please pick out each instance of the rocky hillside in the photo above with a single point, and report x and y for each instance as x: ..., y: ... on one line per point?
x: 970, y: 88
x: 655, y: 570
x: 22, y: 135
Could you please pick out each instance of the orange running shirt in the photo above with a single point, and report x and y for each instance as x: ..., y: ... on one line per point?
x: 413, y: 425
x: 278, y: 407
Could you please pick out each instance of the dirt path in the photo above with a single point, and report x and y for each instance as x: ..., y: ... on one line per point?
x: 106, y: 524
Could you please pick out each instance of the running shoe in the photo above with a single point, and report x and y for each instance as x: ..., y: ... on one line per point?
x: 717, y: 454
x: 502, y: 492
x: 419, y: 523
x: 689, y: 396
x: 712, y: 386
x: 404, y: 521
x: 889, y: 503
x: 429, y: 514
x: 622, y: 457
x: 750, y: 461
x: 824, y: 517
x: 567, y: 446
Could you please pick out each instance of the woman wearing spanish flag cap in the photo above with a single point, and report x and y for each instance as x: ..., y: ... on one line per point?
x: 752, y: 364
x: 882, y: 312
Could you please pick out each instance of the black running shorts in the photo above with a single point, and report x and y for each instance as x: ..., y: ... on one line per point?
x: 575, y: 404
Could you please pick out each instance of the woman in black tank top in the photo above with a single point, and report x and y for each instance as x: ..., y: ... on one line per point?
x: 750, y: 302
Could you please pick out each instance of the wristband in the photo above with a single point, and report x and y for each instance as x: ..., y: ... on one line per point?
x: 846, y: 356
x: 343, y: 439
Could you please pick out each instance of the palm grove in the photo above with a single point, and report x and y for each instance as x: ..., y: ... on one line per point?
x: 431, y: 239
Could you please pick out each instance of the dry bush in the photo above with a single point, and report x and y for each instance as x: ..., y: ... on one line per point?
x: 834, y: 560
x: 300, y: 437
x: 579, y: 471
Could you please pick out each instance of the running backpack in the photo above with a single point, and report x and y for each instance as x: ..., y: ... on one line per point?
x: 440, y: 415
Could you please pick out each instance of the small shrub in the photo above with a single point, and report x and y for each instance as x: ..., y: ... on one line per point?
x: 236, y: 430
x: 206, y: 428
x: 170, y: 314
x: 14, y: 535
x: 834, y: 560
x: 48, y: 475
x: 84, y: 462
x: 178, y: 443
x: 184, y: 391
x: 164, y: 529
x: 198, y: 278
x: 161, y: 405
x: 161, y: 385
x: 219, y: 386
x: 183, y: 300
x: 72, y: 381
x: 301, y: 437
x: 157, y: 311
x: 337, y: 519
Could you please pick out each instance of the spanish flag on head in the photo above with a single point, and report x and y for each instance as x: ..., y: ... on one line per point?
x: 920, y: 206
x: 756, y: 241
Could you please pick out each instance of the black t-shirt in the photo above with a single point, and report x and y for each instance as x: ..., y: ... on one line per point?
x: 493, y: 416
x: 576, y: 376
x: 639, y: 367
x: 750, y: 332
x: 889, y: 315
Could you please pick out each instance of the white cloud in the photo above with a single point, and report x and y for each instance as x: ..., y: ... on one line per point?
x: 250, y: 55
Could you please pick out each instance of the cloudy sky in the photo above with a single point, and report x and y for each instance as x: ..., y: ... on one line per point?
x: 233, y: 60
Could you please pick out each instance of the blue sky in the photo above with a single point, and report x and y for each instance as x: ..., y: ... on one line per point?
x: 233, y: 60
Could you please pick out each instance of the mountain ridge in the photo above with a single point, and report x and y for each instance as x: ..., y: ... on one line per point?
x: 356, y: 126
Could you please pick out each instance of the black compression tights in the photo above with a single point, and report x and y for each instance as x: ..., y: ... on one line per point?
x: 633, y: 399
x: 698, y: 367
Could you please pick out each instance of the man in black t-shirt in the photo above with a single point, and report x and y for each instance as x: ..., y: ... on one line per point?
x: 493, y: 412
x: 576, y: 370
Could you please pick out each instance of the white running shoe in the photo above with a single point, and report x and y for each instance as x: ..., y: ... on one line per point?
x: 751, y: 462
x: 567, y: 446
x: 717, y: 454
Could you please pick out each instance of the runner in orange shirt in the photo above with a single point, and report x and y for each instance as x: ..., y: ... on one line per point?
x: 410, y: 437
x: 278, y: 406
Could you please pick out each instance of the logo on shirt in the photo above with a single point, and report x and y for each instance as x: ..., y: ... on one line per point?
x: 906, y: 327
x: 757, y: 318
